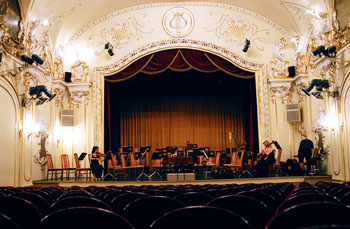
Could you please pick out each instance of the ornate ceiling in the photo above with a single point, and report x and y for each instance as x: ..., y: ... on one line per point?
x: 66, y: 17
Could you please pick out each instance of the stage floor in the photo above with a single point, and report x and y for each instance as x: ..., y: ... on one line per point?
x: 84, y: 183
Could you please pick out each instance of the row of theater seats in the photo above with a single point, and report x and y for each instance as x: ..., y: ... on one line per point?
x: 283, y: 205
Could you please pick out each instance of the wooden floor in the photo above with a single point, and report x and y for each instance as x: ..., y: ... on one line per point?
x: 84, y: 183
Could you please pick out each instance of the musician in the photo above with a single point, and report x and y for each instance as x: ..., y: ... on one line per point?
x: 247, y: 155
x: 305, y: 151
x: 95, y: 158
x: 264, y: 159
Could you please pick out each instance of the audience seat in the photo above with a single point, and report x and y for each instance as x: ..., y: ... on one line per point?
x: 193, y: 198
x: 78, y: 201
x: 84, y: 217
x: 204, y: 217
x: 143, y: 211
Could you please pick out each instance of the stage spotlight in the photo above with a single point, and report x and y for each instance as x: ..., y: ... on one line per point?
x: 37, y: 59
x: 0, y: 57
x: 320, y: 84
x: 331, y: 52
x: 319, y: 50
x: 109, y: 48
x: 37, y: 91
x: 246, y: 45
x: 27, y: 59
x: 110, y: 52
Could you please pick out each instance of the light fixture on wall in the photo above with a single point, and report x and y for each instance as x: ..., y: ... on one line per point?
x: 37, y: 59
x: 322, y: 86
x: 27, y: 59
x: 36, y: 94
x: 246, y: 45
x: 109, y: 48
x: 330, y: 52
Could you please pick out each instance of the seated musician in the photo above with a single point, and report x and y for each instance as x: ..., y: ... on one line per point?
x: 247, y: 155
x: 264, y: 159
x: 95, y: 158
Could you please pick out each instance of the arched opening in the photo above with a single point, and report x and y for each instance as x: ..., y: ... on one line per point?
x: 174, y: 96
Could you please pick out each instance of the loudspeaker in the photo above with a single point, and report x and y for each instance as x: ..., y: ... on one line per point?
x: 291, y: 71
x: 68, y: 77
x: 293, y: 113
x: 67, y: 118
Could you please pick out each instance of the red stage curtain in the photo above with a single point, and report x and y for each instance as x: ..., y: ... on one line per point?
x: 179, y: 60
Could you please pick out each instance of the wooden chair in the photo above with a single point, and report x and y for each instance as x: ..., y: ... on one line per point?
x: 79, y: 170
x: 275, y: 169
x: 135, y: 164
x: 50, y: 168
x: 115, y: 169
x: 65, y: 165
x: 236, y: 163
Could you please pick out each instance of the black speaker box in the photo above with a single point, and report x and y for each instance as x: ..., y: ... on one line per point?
x: 291, y: 71
x: 68, y: 77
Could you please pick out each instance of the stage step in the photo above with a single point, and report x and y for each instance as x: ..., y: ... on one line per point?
x: 180, y: 177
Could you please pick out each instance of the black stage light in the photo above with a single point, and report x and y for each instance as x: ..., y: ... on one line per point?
x: 0, y: 57
x: 110, y: 52
x: 37, y: 59
x: 27, y: 59
x: 320, y: 84
x: 246, y: 45
x: 36, y: 91
x: 331, y: 52
x: 319, y: 50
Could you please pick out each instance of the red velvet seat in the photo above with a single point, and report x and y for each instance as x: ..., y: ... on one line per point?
x: 79, y: 201
x: 143, y: 211
x: 204, y: 217
x: 310, y: 214
x: 83, y: 217
x: 194, y: 198
x: 118, y: 203
x: 251, y: 209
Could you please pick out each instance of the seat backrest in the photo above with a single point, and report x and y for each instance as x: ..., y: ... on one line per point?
x: 132, y: 159
x: 65, y: 161
x: 49, y: 161
x: 123, y: 159
x: 278, y: 159
x: 84, y: 217
x: 77, y: 164
x: 218, y: 158
x: 195, y: 217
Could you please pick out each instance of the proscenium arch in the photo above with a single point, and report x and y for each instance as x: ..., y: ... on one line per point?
x: 258, y: 69
x: 345, y: 111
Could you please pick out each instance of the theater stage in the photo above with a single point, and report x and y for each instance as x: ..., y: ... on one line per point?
x: 84, y: 183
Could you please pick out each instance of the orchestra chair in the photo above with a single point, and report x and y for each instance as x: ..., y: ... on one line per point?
x: 236, y: 163
x: 66, y: 167
x: 123, y: 160
x: 135, y: 164
x: 79, y: 170
x: 200, y: 217
x: 116, y: 169
x: 157, y: 168
x: 84, y: 217
x: 51, y: 168
x: 276, y: 169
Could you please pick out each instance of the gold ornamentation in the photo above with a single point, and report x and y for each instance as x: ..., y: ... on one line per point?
x: 279, y: 68
x: 301, y: 94
x: 182, y: 4
x: 235, y: 30
x: 58, y: 69
x: 178, y: 22
x: 78, y: 97
x: 80, y: 72
x: 281, y: 92
x: 59, y: 89
x: 120, y: 34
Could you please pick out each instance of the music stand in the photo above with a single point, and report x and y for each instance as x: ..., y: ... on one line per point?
x: 156, y: 156
x: 143, y: 152
x: 82, y: 156
x: 127, y: 149
x: 107, y: 157
x: 245, y: 168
